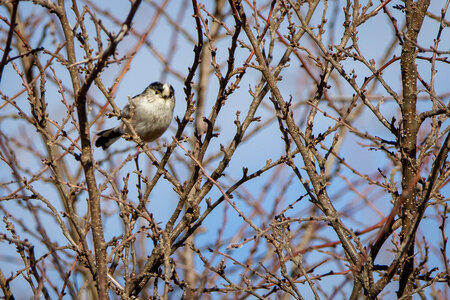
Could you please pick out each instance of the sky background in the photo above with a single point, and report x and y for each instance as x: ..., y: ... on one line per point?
x: 374, y: 36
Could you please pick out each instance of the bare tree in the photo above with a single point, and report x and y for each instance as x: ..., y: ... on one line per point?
x: 308, y: 158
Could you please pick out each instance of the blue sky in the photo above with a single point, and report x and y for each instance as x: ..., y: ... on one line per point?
x: 374, y: 36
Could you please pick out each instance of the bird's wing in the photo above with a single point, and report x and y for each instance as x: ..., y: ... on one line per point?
x: 128, y: 110
x: 125, y: 112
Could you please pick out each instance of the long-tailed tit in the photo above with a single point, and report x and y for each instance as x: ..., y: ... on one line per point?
x: 150, y: 114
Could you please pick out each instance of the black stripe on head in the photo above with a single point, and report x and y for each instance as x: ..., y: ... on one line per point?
x: 157, y: 86
x: 172, y: 92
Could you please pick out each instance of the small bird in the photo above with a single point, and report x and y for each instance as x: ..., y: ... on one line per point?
x: 150, y: 113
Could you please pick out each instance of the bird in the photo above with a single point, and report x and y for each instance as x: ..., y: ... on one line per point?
x: 150, y: 114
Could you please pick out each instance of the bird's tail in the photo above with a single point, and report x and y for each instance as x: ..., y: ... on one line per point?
x: 107, y: 137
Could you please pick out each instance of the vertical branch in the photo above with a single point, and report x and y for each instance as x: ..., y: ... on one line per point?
x: 415, y: 13
x: 86, y: 157
x: 15, y: 6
